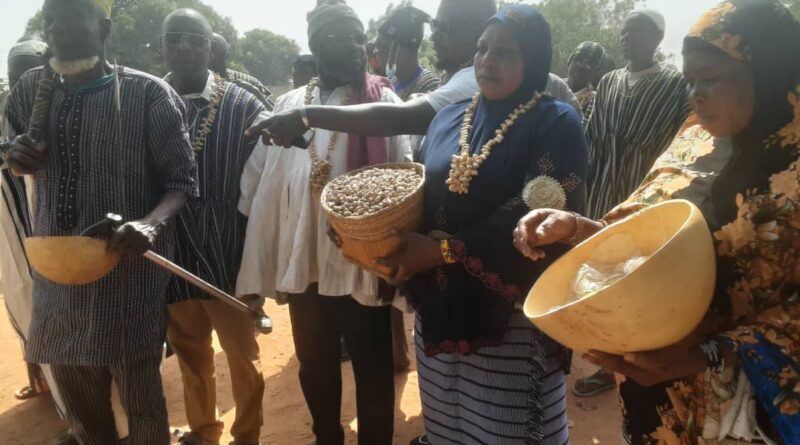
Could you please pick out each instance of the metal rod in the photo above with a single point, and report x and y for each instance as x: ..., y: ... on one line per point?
x: 200, y: 283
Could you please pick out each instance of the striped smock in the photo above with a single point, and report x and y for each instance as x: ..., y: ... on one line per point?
x: 629, y: 128
x: 94, y: 167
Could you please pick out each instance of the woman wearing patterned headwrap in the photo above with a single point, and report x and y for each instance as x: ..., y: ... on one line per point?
x: 486, y: 374
x: 735, y: 380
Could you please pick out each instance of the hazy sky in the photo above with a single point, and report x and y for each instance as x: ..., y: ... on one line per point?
x: 288, y: 17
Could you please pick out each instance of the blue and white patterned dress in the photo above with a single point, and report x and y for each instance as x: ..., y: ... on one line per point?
x: 487, y: 375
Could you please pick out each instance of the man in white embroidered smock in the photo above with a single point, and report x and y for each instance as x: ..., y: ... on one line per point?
x: 287, y: 249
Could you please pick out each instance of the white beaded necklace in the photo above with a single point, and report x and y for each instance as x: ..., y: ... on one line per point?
x: 321, y: 168
x: 465, y: 165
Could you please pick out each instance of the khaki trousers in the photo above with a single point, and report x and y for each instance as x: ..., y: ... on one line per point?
x: 190, y: 326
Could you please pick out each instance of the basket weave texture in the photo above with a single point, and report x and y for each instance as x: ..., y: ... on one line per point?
x: 365, y: 238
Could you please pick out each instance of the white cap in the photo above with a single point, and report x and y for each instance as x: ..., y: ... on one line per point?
x: 656, y: 17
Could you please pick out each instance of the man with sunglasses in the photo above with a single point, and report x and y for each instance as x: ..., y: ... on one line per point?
x: 114, y: 141
x: 584, y: 73
x: 456, y: 29
x: 288, y: 250
x: 211, y: 236
x: 397, y: 48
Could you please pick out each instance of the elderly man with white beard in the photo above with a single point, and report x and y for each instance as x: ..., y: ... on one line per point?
x: 114, y: 140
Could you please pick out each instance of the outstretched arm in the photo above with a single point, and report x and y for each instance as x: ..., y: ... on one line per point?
x: 377, y: 119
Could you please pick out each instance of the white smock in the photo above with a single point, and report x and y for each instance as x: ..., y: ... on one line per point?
x: 287, y: 247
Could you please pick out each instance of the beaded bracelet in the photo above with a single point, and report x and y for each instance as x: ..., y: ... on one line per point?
x: 448, y: 256
x: 713, y: 354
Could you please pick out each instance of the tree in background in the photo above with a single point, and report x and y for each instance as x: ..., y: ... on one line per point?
x: 571, y: 22
x: 267, y: 55
x: 134, y: 41
x: 576, y: 21
x: 137, y: 23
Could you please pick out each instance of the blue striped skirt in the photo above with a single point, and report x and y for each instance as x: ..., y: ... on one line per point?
x: 485, y: 398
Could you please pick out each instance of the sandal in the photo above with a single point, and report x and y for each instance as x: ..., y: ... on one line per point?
x: 190, y: 438
x: 595, y: 384
x: 29, y: 392
x: 421, y: 440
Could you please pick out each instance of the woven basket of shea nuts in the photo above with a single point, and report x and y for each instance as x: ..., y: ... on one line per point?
x: 366, y: 206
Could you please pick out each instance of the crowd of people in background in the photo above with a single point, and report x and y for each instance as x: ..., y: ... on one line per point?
x: 207, y: 168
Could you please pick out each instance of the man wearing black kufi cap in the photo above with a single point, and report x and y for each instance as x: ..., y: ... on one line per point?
x: 288, y: 251
x: 456, y: 29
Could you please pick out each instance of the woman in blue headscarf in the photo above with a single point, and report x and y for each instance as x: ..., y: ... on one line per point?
x: 486, y: 374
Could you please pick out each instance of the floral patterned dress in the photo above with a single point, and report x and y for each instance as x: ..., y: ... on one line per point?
x: 756, y: 306
x: 748, y: 188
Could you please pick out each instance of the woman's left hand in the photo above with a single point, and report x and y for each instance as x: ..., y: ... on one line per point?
x: 416, y: 253
x: 651, y: 368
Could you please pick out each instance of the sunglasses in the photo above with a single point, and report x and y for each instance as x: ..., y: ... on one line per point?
x: 175, y: 39
x: 359, y: 38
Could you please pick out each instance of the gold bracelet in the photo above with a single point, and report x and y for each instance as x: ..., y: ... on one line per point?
x: 447, y: 255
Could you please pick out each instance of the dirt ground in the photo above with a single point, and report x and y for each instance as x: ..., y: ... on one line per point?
x: 287, y: 421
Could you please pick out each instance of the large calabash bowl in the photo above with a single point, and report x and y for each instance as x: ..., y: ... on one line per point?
x: 658, y: 304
